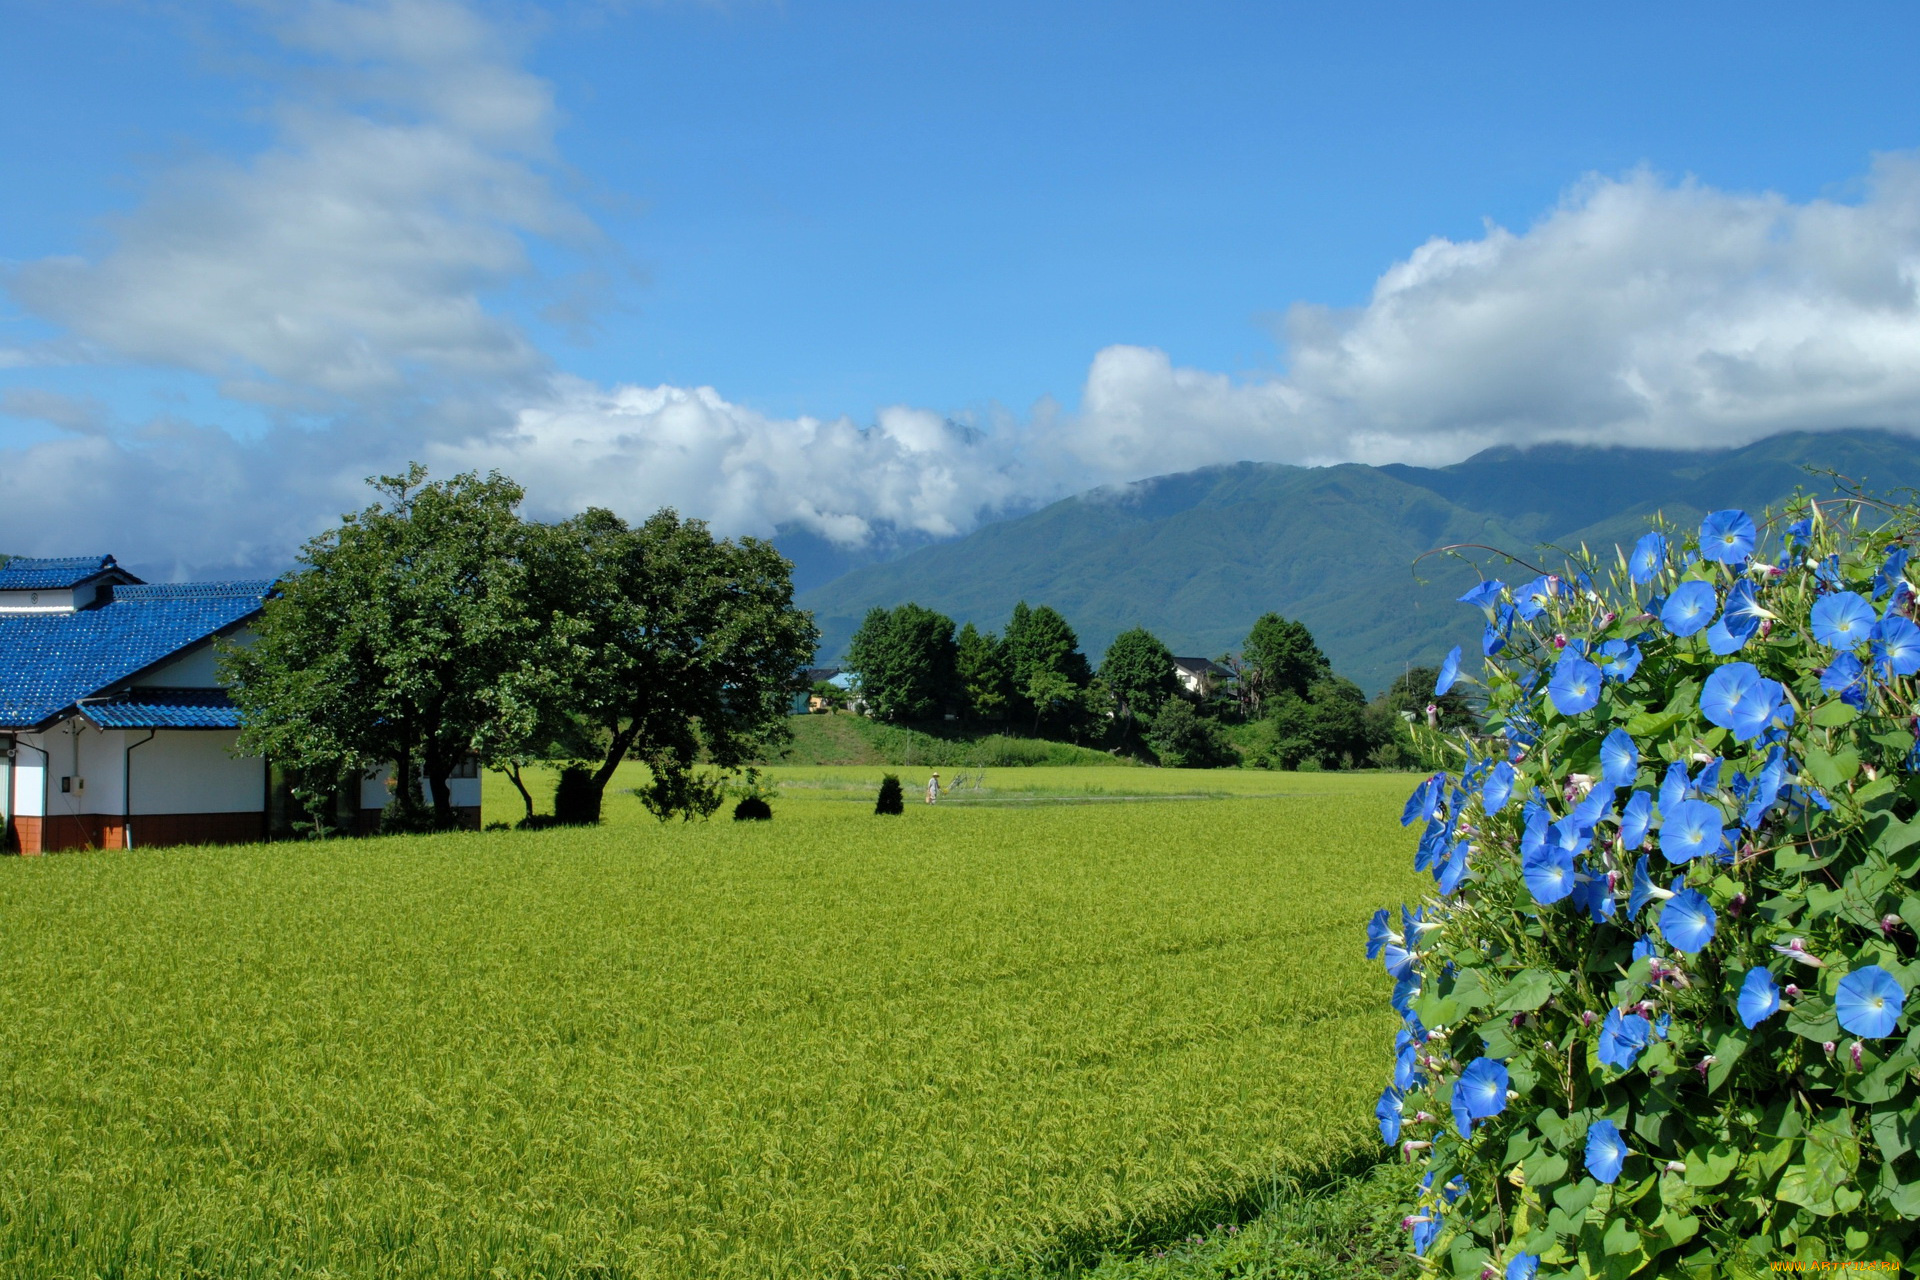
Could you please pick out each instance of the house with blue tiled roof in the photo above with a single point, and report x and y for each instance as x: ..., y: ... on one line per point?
x: 114, y: 729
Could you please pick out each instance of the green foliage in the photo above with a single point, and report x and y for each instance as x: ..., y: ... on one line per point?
x: 821, y: 1046
x: 576, y: 801
x: 891, y: 799
x: 1753, y: 1136
x: 1138, y: 672
x: 905, y: 660
x: 682, y: 648
x: 1047, y: 668
x: 844, y: 739
x: 405, y: 638
x: 1281, y: 658
x: 1182, y: 738
x: 1413, y: 693
x: 985, y: 673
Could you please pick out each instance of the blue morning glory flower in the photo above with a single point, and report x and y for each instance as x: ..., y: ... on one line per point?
x: 1397, y: 958
x: 1523, y: 1266
x: 1423, y: 801
x: 1641, y: 891
x: 1606, y: 1151
x: 1533, y: 836
x: 1618, y: 660
x: 1648, y: 558
x: 1449, y: 672
x: 1623, y: 1037
x: 1406, y: 1068
x: 1759, y: 998
x: 1742, y: 613
x: 1499, y: 788
x: 1723, y: 642
x: 1388, y: 1112
x: 1425, y: 1228
x: 1619, y: 759
x: 1689, y: 609
x: 1727, y: 537
x: 1691, y: 828
x: 1645, y: 948
x: 1575, y: 686
x: 1740, y: 700
x: 1869, y: 1001
x: 1379, y: 933
x: 1483, y: 595
x: 1687, y: 921
x: 1896, y: 647
x: 1845, y: 675
x: 1531, y: 600
x: 1709, y: 779
x: 1549, y: 874
x: 1842, y: 620
x: 1405, y: 992
x: 1892, y: 571
x: 1453, y: 870
x: 1635, y: 819
x: 1801, y: 528
x: 1591, y: 812
x: 1673, y: 786
x: 1494, y: 638
x: 1480, y: 1093
x: 1593, y: 896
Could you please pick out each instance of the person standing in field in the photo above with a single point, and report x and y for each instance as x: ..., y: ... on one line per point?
x: 933, y: 788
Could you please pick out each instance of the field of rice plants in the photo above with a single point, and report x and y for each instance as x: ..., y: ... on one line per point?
x: 1059, y: 1012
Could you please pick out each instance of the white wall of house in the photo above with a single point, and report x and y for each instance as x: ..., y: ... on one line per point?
x: 86, y: 760
x: 177, y: 771
x: 193, y: 669
x: 195, y: 771
x: 29, y: 781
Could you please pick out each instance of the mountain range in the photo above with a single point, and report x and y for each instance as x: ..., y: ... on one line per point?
x: 1196, y: 557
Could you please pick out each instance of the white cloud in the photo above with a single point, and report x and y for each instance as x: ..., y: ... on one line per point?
x: 352, y: 269
x: 350, y: 260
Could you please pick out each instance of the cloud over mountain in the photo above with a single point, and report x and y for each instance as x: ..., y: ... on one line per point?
x: 355, y: 282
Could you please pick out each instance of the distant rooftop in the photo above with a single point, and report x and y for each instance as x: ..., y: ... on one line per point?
x: 23, y: 573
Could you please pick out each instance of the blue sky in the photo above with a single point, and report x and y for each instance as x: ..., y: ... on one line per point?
x: 1111, y: 240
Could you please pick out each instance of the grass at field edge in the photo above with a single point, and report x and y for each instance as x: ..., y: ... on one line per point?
x: 1341, y: 1223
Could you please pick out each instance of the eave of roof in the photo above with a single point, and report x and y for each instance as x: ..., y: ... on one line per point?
x: 156, y: 708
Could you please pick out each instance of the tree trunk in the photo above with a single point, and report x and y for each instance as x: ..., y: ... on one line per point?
x: 623, y: 740
x: 513, y: 773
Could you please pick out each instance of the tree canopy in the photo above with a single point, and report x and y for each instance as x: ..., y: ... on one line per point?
x: 1138, y: 672
x: 404, y: 638
x: 1280, y: 656
x: 905, y: 660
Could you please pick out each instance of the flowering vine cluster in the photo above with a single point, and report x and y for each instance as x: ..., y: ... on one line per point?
x: 1654, y: 1014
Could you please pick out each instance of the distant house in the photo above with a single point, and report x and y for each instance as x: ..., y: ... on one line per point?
x: 1199, y: 676
x: 115, y: 731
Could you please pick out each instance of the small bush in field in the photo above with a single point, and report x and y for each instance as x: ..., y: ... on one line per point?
x: 891, y: 799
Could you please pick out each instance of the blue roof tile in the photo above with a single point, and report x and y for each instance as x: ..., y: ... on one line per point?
x: 48, y: 662
x: 24, y: 574
x: 154, y: 708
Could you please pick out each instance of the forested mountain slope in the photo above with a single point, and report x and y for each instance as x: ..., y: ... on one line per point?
x: 1196, y: 557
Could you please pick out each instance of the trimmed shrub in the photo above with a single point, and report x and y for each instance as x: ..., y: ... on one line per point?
x: 752, y: 809
x: 575, y: 802
x: 1655, y: 1014
x: 891, y: 800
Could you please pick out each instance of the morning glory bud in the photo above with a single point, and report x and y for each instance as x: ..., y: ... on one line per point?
x: 1888, y: 923
x: 1792, y: 990
x: 1854, y: 1051
x: 1829, y: 1046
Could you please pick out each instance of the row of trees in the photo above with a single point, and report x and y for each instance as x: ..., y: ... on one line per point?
x: 438, y: 623
x: 1282, y: 705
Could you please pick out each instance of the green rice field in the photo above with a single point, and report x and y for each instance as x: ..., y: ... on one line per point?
x: 1061, y: 1012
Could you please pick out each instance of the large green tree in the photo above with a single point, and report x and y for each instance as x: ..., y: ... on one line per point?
x: 1048, y: 669
x: 1138, y: 671
x: 905, y: 659
x: 984, y: 674
x: 1281, y: 657
x: 405, y: 637
x: 680, y: 645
